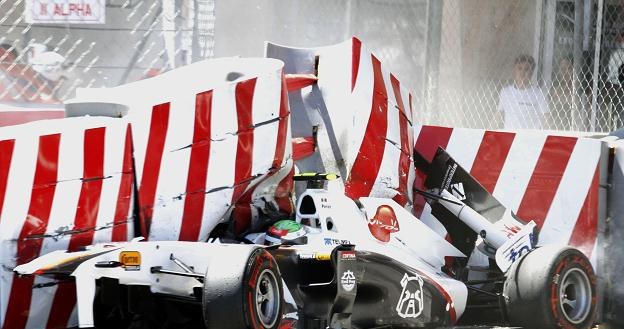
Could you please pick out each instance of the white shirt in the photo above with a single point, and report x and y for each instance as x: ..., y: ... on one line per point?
x: 522, y: 108
x: 615, y: 61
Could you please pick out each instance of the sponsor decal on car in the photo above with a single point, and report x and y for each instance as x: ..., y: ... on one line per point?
x: 448, y: 176
x: 411, y: 301
x: 315, y: 256
x: 457, y: 190
x: 383, y: 223
x: 517, y: 246
x: 347, y: 280
x: 130, y: 260
x: 330, y: 241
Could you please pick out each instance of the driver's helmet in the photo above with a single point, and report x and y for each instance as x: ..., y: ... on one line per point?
x: 286, y: 231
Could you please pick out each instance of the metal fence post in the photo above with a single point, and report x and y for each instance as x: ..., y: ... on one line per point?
x: 195, y: 49
x: 432, y: 60
x: 596, y: 73
x: 577, y: 59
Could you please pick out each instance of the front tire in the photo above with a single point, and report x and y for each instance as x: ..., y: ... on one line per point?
x: 552, y: 287
x: 242, y: 289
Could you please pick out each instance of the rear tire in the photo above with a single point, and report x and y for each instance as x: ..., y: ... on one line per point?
x: 552, y: 287
x: 242, y: 289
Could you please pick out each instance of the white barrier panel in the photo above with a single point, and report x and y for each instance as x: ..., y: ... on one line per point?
x: 15, y: 114
x: 210, y: 139
x: 363, y: 115
x: 64, y: 184
x: 557, y: 181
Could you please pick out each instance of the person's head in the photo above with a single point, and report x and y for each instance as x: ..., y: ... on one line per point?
x: 8, y: 54
x: 523, y: 70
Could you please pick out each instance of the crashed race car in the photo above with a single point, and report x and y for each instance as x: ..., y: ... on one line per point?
x: 227, y: 249
x: 341, y: 264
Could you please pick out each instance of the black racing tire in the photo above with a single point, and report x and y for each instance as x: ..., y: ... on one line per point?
x: 551, y: 287
x: 242, y: 289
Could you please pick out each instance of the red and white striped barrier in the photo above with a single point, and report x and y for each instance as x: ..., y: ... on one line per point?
x: 203, y: 150
x: 210, y: 139
x: 363, y: 114
x: 64, y: 184
x: 554, y: 180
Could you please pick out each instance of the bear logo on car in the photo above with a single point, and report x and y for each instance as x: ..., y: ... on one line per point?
x: 411, y: 302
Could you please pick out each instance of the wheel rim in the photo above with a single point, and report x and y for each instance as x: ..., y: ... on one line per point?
x: 575, y: 296
x: 267, y: 298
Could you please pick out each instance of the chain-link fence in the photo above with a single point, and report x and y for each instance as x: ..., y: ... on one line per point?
x: 458, y: 56
x: 568, y: 78
x: 394, y: 30
x: 50, y: 48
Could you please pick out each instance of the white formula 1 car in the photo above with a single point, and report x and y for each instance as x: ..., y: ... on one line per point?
x: 340, y: 264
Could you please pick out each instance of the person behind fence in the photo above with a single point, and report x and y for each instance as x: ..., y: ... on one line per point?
x: 567, y: 100
x: 522, y: 104
x: 615, y: 81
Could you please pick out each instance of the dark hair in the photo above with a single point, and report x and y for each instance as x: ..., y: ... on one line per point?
x: 9, y: 48
x: 525, y: 59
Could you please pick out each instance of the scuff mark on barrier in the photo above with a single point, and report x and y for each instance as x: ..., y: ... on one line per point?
x: 404, y: 115
x: 398, y: 146
x: 236, y: 133
x: 65, y: 231
x: 270, y: 171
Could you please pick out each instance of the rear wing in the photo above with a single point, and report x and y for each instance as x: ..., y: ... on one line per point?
x: 448, y: 182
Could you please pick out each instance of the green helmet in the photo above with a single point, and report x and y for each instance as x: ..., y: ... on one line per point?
x: 286, y: 231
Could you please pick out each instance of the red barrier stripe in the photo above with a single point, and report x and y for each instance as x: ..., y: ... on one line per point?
x: 411, y: 104
x: 430, y: 138
x: 198, y: 169
x: 366, y: 165
x: 85, y: 219
x: 120, y: 227
x: 491, y: 157
x: 242, y: 210
x: 412, y: 142
x: 244, y: 154
x: 91, y: 190
x: 151, y: 165
x: 427, y: 142
x: 299, y: 81
x: 282, y: 129
x: 283, y: 193
x: 35, y: 223
x: 356, y: 48
x: 404, y: 159
x: 586, y: 227
x: 302, y: 147
x: 19, y: 302
x: 6, y: 153
x: 284, y: 188
x: 62, y: 306
x: 545, y: 179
